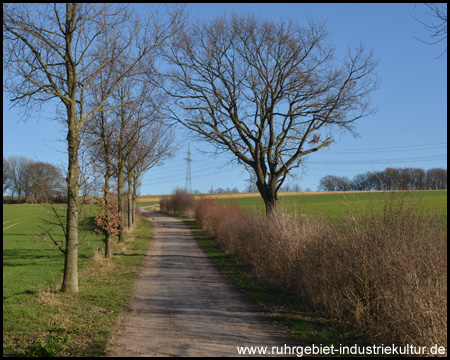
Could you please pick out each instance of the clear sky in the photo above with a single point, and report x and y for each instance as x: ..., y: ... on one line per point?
x: 408, y: 130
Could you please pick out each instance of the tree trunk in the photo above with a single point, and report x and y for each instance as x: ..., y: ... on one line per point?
x: 270, y: 197
x: 70, y: 282
x: 108, y: 236
x: 130, y: 204
x: 134, y: 200
x: 120, y: 195
x: 108, y: 246
x: 271, y: 202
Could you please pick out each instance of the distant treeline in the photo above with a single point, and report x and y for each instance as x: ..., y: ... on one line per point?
x: 388, y: 179
x: 26, y: 181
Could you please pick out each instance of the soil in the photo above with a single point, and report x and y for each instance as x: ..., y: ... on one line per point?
x: 182, y: 305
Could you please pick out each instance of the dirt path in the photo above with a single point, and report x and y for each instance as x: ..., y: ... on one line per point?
x: 183, y: 306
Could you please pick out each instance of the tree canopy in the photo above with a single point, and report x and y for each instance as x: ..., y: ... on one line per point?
x: 267, y: 92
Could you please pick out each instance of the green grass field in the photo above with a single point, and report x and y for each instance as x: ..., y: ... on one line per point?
x: 335, y: 205
x: 40, y: 321
x: 30, y: 264
x: 28, y: 261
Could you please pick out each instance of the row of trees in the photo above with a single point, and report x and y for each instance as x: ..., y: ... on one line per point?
x: 388, y: 179
x: 122, y: 144
x: 34, y: 181
x: 93, y: 63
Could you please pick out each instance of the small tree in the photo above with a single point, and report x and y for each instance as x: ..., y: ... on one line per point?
x: 268, y: 93
x: 108, y: 220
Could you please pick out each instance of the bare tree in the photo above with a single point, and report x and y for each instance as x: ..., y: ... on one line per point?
x: 438, y: 25
x: 133, y: 117
x: 56, y: 52
x: 99, y: 139
x: 20, y: 181
x: 437, y: 179
x: 329, y: 183
x: 47, y: 183
x: 7, y: 175
x: 267, y: 92
x: 98, y: 134
x: 156, y: 145
x: 126, y: 142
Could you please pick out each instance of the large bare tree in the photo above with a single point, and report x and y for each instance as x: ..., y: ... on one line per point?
x: 56, y: 52
x: 268, y: 92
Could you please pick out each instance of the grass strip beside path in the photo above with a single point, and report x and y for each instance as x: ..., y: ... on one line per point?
x: 80, y: 324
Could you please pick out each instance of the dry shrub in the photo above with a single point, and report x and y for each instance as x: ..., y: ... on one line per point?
x: 204, y: 214
x: 108, y: 215
x: 386, y: 270
x: 236, y: 237
x: 180, y: 203
x: 164, y: 204
x: 212, y: 216
x: 382, y: 269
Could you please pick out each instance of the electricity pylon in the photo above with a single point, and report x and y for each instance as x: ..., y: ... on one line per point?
x: 188, y: 185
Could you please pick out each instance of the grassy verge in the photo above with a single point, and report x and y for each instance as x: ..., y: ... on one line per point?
x: 304, y: 323
x: 48, y: 323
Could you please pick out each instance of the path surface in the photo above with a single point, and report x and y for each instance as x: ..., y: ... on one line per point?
x: 183, y: 306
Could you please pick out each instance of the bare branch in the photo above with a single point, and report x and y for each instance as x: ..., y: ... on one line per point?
x: 438, y: 31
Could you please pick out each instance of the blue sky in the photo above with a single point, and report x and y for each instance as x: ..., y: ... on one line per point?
x: 408, y: 130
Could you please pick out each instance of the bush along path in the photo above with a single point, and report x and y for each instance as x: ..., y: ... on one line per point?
x: 182, y: 305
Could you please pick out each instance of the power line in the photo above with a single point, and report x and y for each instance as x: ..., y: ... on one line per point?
x: 385, y: 149
x: 203, y: 169
x: 179, y: 175
x: 213, y: 169
x: 172, y: 179
x: 384, y: 161
x: 179, y: 168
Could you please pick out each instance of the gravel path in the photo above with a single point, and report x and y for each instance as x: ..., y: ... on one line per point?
x: 183, y: 306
